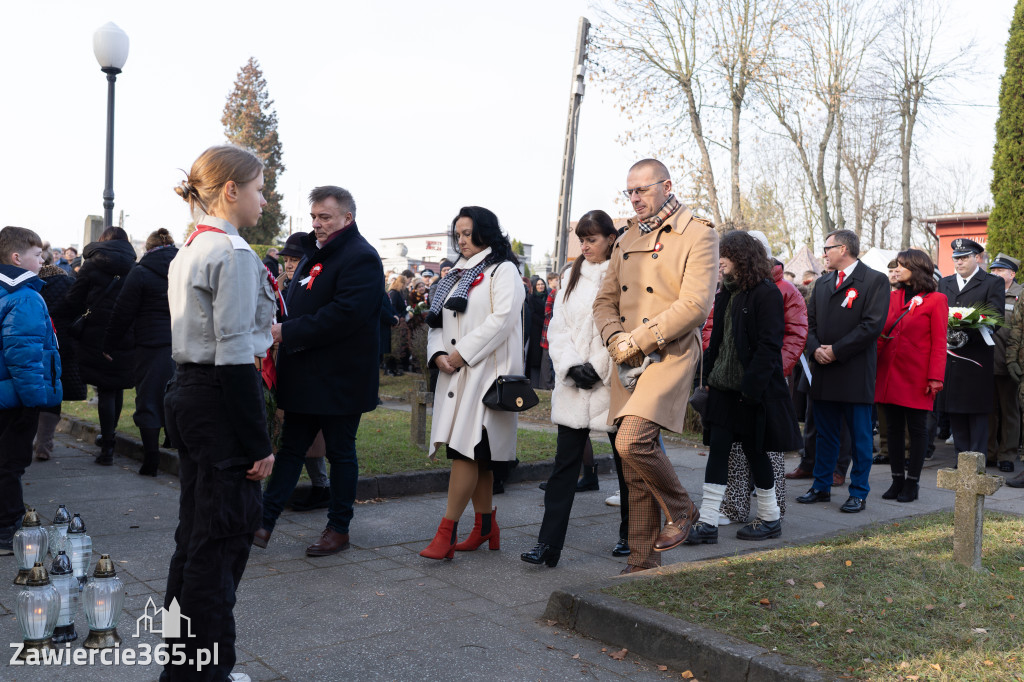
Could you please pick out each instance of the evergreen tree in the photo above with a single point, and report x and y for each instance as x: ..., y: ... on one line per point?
x: 1006, y: 221
x: 250, y: 121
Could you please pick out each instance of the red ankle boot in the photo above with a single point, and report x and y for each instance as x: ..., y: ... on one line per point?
x: 443, y: 544
x: 477, y: 537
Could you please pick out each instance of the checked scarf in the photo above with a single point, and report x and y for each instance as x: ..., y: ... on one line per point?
x: 655, y: 221
x: 461, y: 280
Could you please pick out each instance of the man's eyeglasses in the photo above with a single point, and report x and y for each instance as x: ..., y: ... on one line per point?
x: 628, y: 193
x: 826, y: 248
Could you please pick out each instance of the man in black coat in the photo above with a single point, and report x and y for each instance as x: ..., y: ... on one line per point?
x: 967, y: 396
x: 272, y: 263
x: 327, y: 361
x: 845, y: 316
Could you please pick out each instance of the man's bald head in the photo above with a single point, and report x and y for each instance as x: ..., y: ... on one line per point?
x: 653, y: 166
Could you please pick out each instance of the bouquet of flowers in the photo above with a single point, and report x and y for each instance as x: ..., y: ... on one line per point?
x: 421, y: 308
x: 962, y: 319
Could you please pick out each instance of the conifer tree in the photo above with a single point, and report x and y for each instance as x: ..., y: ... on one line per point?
x: 1006, y: 222
x: 250, y: 121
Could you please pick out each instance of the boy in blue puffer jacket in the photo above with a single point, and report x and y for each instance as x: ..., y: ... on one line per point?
x: 29, y: 368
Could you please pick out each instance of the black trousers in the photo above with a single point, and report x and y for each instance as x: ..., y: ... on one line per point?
x: 970, y: 432
x: 561, y: 490
x: 915, y: 422
x: 17, y: 429
x: 153, y: 369
x: 218, y: 513
x: 717, y: 471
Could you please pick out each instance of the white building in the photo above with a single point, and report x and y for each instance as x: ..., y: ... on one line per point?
x: 424, y: 250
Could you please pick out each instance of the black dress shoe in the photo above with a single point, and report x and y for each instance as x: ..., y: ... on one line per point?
x: 853, y: 505
x: 542, y: 554
x: 1017, y: 481
x: 702, y: 534
x: 759, y: 529
x: 814, y: 495
x: 319, y: 498
x: 880, y: 459
x: 1006, y: 466
x: 621, y: 548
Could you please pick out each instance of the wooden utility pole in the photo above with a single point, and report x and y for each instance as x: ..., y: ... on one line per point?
x: 569, y: 154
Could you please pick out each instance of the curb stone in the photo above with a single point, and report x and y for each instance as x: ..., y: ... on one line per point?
x: 369, y: 487
x: 708, y: 654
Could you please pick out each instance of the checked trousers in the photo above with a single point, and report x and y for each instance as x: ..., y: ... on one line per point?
x: 654, y: 488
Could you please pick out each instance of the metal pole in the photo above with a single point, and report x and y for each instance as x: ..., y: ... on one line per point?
x: 569, y: 154
x: 108, y: 187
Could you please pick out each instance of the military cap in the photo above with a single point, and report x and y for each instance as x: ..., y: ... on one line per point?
x: 1004, y: 261
x: 962, y: 246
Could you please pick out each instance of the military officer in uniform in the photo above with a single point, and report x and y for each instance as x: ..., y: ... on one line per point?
x: 967, y: 396
x: 1004, y: 420
x: 657, y: 293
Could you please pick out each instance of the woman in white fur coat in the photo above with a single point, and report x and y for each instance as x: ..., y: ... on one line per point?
x: 476, y: 334
x: 583, y: 371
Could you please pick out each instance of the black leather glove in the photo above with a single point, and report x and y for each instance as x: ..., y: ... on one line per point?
x: 585, y: 376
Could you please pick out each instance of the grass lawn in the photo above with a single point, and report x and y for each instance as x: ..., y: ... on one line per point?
x: 383, y: 442
x: 885, y: 603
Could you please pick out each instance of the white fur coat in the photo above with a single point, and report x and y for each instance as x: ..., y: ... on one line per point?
x: 573, y: 339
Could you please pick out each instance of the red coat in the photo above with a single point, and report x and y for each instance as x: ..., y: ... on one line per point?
x: 795, y: 312
x: 916, y: 353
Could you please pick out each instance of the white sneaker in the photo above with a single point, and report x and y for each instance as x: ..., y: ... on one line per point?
x: 615, y: 500
x: 723, y: 520
x: 949, y: 441
x: 239, y: 677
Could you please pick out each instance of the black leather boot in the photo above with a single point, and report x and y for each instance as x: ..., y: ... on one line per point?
x: 702, y: 534
x: 151, y: 451
x: 894, y: 490
x: 106, y: 456
x: 589, y: 479
x: 909, y: 491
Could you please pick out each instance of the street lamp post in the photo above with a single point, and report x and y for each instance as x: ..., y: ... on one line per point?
x: 110, y: 45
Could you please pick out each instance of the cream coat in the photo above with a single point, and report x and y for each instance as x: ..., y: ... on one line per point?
x: 660, y: 295
x: 573, y: 339
x: 491, y: 343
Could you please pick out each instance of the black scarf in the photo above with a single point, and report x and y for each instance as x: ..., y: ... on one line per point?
x: 461, y: 280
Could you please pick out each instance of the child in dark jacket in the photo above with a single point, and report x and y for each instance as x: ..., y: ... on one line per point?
x: 29, y: 368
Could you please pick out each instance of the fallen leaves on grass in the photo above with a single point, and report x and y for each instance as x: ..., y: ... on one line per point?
x: 764, y: 602
x: 820, y: 604
x: 819, y: 585
x: 888, y: 600
x: 790, y: 581
x: 849, y: 563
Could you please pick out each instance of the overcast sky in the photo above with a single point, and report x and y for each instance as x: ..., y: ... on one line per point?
x: 417, y: 108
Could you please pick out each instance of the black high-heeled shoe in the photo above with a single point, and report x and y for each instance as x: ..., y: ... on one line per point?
x: 542, y: 554
x: 894, y: 490
x: 909, y: 492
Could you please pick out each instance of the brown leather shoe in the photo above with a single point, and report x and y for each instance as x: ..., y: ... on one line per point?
x: 330, y: 542
x: 799, y: 473
x: 674, y: 534
x: 261, y: 537
x: 838, y: 479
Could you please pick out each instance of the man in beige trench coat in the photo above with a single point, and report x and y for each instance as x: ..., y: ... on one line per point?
x: 657, y: 293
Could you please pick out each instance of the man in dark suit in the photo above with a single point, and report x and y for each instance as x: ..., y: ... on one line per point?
x: 845, y: 316
x: 327, y: 361
x: 970, y: 382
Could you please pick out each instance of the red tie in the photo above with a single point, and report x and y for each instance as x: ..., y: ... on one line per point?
x: 842, y: 276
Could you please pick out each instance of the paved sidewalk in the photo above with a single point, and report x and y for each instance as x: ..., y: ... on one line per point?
x: 380, y: 611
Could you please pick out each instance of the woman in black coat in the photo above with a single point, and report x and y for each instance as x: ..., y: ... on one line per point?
x: 105, y: 264
x: 534, y: 352
x: 400, y: 359
x: 57, y: 284
x: 748, y: 401
x: 142, y: 307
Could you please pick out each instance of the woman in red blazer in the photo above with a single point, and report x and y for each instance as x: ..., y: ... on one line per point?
x: 911, y: 366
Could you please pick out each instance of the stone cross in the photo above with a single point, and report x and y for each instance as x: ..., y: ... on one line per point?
x: 971, y: 484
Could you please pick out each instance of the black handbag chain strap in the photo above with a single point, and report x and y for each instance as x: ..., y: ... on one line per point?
x: 103, y: 295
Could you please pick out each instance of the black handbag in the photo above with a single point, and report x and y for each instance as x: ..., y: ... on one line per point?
x: 77, y: 328
x: 510, y: 393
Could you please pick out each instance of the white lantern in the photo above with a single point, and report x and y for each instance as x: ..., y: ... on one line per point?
x: 103, y: 598
x: 36, y: 609
x: 58, y: 530
x: 63, y: 578
x: 79, y: 548
x: 30, y: 543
